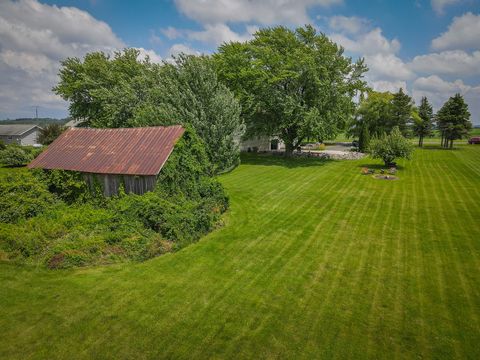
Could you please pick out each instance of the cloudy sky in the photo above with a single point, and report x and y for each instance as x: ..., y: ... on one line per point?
x: 428, y: 47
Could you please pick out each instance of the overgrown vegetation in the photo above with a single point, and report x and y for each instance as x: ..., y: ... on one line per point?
x: 53, y: 218
x: 14, y: 155
x: 123, y: 91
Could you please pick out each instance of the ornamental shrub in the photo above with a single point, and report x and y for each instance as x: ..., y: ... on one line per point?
x: 390, y: 147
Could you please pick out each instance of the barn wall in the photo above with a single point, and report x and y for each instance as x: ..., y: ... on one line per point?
x: 111, y: 183
x: 10, y: 139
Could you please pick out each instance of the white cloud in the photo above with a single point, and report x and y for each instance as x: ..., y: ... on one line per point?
x: 351, y: 25
x: 34, y: 38
x: 387, y: 66
x: 263, y: 12
x: 438, y: 91
x: 152, y: 55
x: 372, y: 42
x: 378, y: 51
x: 171, y: 32
x: 216, y: 34
x: 391, y: 86
x: 462, y: 33
x: 439, y: 5
x: 177, y: 49
x: 454, y: 62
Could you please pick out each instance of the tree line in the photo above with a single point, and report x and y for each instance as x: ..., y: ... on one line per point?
x: 296, y: 85
x: 380, y: 112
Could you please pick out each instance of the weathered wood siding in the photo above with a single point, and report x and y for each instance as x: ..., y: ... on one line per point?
x: 111, y: 183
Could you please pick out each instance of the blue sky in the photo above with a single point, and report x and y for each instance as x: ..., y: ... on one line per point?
x: 428, y: 47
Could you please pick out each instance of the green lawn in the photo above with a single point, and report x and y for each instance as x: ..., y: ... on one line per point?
x: 314, y: 261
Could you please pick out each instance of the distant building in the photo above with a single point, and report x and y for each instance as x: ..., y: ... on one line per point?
x: 128, y: 157
x: 262, y: 144
x: 20, y: 134
x: 73, y: 123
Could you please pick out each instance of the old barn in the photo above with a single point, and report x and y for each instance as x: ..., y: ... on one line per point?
x: 132, y: 157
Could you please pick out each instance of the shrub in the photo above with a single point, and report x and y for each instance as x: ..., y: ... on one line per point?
x: 22, y: 197
x: 70, y: 186
x: 14, y: 155
x: 2, y: 145
x: 80, y: 235
x: 390, y: 147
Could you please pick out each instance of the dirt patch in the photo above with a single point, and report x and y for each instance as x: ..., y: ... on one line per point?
x: 385, y: 177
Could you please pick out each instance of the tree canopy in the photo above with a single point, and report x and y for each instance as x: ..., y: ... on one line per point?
x: 453, y: 120
x: 124, y: 91
x: 291, y: 84
x: 423, y: 120
x: 380, y: 112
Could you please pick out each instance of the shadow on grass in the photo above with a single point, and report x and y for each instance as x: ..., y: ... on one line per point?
x: 266, y: 159
x: 378, y: 166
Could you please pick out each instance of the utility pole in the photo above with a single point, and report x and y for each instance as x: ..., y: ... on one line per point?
x: 36, y: 112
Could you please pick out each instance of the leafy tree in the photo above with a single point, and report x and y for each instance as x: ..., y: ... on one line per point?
x: 453, y: 120
x: 291, y: 84
x: 190, y: 91
x: 402, y: 106
x: 373, y: 113
x: 50, y: 133
x: 390, y: 147
x: 124, y: 91
x: 14, y: 155
x: 423, y: 120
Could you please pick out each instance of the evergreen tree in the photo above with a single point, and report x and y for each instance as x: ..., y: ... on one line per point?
x: 364, y: 139
x: 402, y: 106
x: 423, y: 122
x: 453, y: 120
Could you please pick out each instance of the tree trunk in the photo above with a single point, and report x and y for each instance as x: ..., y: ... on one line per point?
x: 420, y: 141
x: 451, y: 144
x: 289, y: 148
x: 443, y: 137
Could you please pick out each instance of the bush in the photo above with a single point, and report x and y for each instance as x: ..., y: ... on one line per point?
x: 390, y: 147
x: 70, y: 186
x: 2, y: 145
x: 22, y: 197
x: 14, y: 155
x: 81, y: 235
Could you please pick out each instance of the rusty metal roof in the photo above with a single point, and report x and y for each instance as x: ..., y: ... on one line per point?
x: 130, y: 151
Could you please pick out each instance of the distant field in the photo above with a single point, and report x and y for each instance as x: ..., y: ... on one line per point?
x: 433, y: 139
x: 315, y: 261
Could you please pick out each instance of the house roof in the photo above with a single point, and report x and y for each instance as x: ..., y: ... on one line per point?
x: 16, y: 129
x: 129, y: 151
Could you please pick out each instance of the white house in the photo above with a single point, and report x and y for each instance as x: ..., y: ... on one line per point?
x: 262, y: 144
x: 20, y: 134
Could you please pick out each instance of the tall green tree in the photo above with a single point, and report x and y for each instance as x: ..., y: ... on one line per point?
x: 364, y: 139
x: 291, y: 84
x: 423, y: 120
x: 453, y: 120
x: 124, y: 91
x: 373, y: 113
x: 402, y: 106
